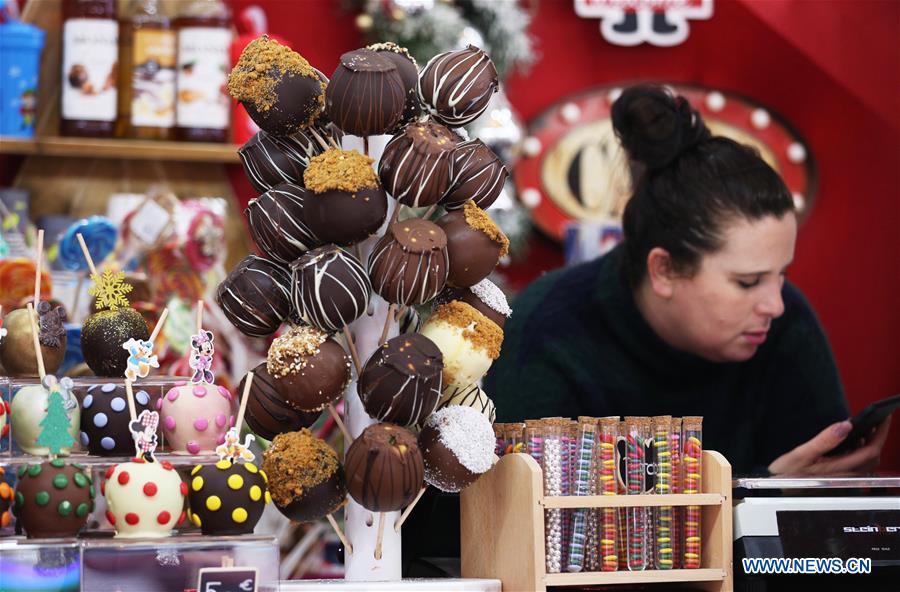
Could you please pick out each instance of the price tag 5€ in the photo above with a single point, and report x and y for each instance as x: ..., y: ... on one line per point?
x: 227, y: 579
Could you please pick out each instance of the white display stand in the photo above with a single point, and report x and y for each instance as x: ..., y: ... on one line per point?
x: 411, y: 585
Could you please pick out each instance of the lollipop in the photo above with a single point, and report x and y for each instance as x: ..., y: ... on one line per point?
x: 485, y: 297
x: 255, y: 296
x: 409, y: 74
x: 409, y: 265
x: 415, y: 167
x: 474, y: 243
x: 366, y: 95
x: 282, y: 93
x: 401, y: 382
x: 467, y: 339
x: 276, y: 222
x: 53, y: 499
x: 476, y: 174
x: 271, y: 160
x: 456, y: 87
x: 100, y: 236
x: 347, y: 205
x: 457, y: 444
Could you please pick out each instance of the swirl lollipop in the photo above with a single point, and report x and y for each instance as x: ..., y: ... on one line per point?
x: 100, y: 236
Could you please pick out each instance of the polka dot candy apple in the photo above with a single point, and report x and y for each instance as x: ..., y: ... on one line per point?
x: 144, y: 499
x: 53, y: 499
x: 105, y: 417
x: 195, y: 417
x: 227, y: 498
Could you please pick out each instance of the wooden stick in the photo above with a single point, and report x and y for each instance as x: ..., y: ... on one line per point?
x: 244, y: 398
x: 227, y: 561
x: 38, y: 262
x: 340, y: 424
x: 401, y: 312
x: 159, y: 324
x: 353, y: 353
x: 409, y: 509
x: 348, y: 548
x: 394, y: 215
x: 37, y: 343
x: 87, y: 254
x: 131, y: 408
x: 380, y: 536
x: 199, y: 317
x: 366, y: 145
x: 430, y: 211
x: 387, y: 323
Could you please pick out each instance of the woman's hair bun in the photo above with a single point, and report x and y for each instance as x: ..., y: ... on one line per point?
x: 654, y: 126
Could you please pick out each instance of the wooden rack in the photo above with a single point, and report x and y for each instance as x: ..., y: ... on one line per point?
x: 502, y: 528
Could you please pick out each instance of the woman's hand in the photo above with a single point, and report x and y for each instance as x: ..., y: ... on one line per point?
x: 809, y: 458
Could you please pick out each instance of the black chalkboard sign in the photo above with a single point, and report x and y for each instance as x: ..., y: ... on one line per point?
x: 227, y: 579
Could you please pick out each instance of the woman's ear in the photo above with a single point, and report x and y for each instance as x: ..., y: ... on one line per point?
x: 660, y: 273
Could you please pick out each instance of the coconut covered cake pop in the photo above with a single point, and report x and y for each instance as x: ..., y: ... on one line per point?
x: 409, y: 264
x: 53, y: 499
x: 474, y: 243
x: 268, y: 413
x: 366, y: 95
x: 347, y: 204
x: 415, y: 167
x: 401, y: 382
x: 309, y: 368
x: 255, y: 296
x: 306, y: 479
x: 468, y: 340
x: 282, y: 93
x: 275, y: 220
x: 384, y: 468
x: 330, y: 287
x: 456, y: 87
x: 457, y: 444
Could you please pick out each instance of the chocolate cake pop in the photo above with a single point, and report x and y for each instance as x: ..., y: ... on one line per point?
x: 409, y: 74
x: 105, y: 418
x: 476, y: 174
x: 29, y: 408
x: 53, y: 499
x: 195, y: 417
x: 401, y: 382
x: 409, y: 264
x: 310, y: 369
x: 103, y: 334
x: 347, y: 205
x: 330, y: 287
x: 458, y: 447
x: 415, y: 166
x: 144, y: 498
x: 276, y: 222
x: 227, y: 498
x: 255, y: 296
x: 282, y: 93
x: 471, y: 396
x: 17, y: 347
x: 384, y: 468
x: 474, y: 243
x: 455, y: 87
x: 268, y: 413
x: 467, y: 339
x: 484, y: 296
x: 271, y: 160
x: 306, y: 479
x: 366, y: 94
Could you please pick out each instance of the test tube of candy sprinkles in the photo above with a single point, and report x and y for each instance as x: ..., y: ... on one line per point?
x: 662, y: 444
x: 637, y: 433
x: 691, y: 462
x: 515, y: 438
x: 552, y: 453
x: 678, y: 511
x: 534, y: 438
x: 622, y: 478
x: 581, y: 483
x: 609, y: 517
x: 499, y: 439
x: 570, y: 440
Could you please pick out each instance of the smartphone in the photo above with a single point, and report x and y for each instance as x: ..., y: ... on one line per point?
x: 865, y: 423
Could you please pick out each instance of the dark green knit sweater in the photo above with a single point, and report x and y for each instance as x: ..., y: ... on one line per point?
x: 577, y: 345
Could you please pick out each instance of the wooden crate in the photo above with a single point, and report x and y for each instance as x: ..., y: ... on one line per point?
x: 502, y: 528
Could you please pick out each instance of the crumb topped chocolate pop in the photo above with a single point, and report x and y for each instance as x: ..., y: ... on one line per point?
x: 271, y: 160
x: 409, y: 265
x: 310, y: 369
x: 384, y: 468
x: 306, y: 479
x: 477, y: 174
x: 484, y: 296
x: 347, y: 205
x: 282, y: 93
x: 276, y: 222
x: 456, y: 87
x: 415, y: 167
x: 401, y: 382
x: 457, y: 444
x: 330, y: 287
x: 474, y: 243
x: 255, y: 296
x: 409, y: 74
x: 366, y: 95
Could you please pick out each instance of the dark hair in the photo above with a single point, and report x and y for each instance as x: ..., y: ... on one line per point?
x: 687, y: 183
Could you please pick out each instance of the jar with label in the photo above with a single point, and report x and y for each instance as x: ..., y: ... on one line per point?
x: 147, y: 88
x: 90, y: 50
x: 202, y: 109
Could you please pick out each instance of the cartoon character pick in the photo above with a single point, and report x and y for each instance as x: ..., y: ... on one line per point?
x: 143, y: 431
x: 202, y: 357
x: 140, y: 352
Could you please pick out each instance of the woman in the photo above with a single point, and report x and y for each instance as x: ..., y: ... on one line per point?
x: 691, y: 315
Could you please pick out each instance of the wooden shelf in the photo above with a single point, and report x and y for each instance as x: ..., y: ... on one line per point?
x: 632, y: 501
x: 635, y: 577
x: 121, y: 149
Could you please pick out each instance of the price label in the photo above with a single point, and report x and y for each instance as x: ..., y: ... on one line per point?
x: 227, y: 579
